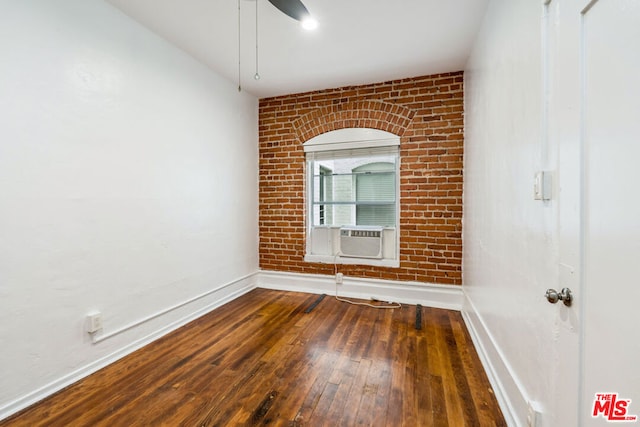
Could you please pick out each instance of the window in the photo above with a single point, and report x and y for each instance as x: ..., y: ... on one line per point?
x: 352, y: 182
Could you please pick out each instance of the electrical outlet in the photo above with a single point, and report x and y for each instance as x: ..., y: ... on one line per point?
x: 532, y: 414
x: 339, y: 278
x: 94, y: 322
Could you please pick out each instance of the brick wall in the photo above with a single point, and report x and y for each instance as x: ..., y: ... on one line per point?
x: 427, y: 112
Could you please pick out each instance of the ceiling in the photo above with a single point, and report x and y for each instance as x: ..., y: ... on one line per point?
x: 356, y: 42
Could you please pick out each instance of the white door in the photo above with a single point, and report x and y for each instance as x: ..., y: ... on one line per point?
x: 610, y: 292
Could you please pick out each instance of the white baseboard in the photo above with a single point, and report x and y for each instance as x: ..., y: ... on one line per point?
x: 508, y: 391
x: 428, y: 295
x: 222, y: 295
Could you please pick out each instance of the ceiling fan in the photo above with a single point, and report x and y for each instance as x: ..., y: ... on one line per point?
x: 294, y: 9
x: 297, y: 10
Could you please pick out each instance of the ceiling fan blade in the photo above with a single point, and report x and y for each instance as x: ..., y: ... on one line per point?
x: 293, y: 8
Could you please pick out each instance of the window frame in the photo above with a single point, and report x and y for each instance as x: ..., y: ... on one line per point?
x: 349, y: 139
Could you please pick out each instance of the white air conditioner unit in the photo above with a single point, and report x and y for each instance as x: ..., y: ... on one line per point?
x: 361, y: 242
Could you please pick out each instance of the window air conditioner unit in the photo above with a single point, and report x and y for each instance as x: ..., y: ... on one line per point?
x: 361, y: 242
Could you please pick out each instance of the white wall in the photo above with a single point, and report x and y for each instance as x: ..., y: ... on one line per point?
x: 511, y: 243
x: 128, y: 184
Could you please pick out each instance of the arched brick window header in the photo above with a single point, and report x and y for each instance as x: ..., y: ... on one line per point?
x: 365, y: 114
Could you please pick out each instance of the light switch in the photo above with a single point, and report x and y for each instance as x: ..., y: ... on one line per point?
x: 542, y: 186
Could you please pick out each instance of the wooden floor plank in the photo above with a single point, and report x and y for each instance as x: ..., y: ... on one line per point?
x: 376, y: 382
x: 421, y: 381
x: 356, y: 395
x: 313, y: 392
x: 471, y: 364
x: 446, y: 346
x: 380, y: 375
x: 349, y: 369
x: 262, y: 360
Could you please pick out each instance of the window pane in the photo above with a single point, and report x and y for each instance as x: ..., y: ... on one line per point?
x: 334, y: 188
x: 325, y: 193
x: 373, y: 184
x: 356, y: 190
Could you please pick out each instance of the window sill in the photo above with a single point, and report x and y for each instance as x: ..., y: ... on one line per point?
x: 330, y: 259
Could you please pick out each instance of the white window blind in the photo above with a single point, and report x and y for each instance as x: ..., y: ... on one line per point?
x: 376, y: 194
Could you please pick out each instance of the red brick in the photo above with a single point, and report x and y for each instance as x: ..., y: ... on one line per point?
x: 427, y: 112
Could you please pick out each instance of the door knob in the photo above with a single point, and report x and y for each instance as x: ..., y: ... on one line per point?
x: 564, y: 295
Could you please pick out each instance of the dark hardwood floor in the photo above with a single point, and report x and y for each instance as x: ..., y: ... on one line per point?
x: 261, y: 360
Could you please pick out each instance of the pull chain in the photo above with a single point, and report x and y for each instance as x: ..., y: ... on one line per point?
x: 257, y: 75
x: 239, y: 74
